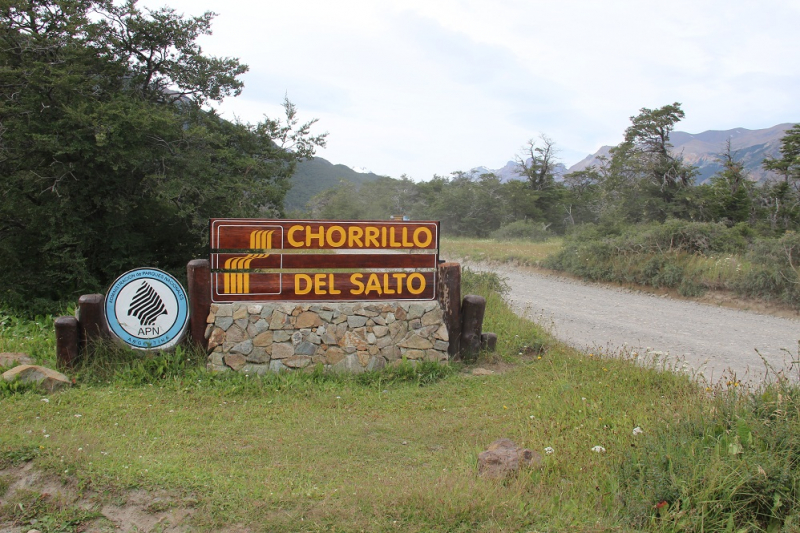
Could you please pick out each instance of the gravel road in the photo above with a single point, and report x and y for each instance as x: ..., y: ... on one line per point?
x: 710, y: 339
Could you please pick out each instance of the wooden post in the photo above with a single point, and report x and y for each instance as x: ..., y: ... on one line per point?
x: 449, y: 296
x: 489, y: 341
x: 198, y: 275
x: 67, y: 341
x: 92, y: 319
x: 472, y: 311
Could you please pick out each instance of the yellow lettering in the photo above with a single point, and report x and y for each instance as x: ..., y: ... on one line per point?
x: 330, y: 284
x: 392, y: 242
x: 410, y: 283
x: 355, y: 279
x: 399, y: 277
x: 342, y: 234
x: 386, y: 289
x: 371, y: 237
x: 319, y: 284
x: 298, y: 278
x: 320, y: 235
x: 406, y: 242
x: 373, y: 284
x: 354, y: 237
x: 290, y: 236
x: 427, y: 233
x: 383, y: 237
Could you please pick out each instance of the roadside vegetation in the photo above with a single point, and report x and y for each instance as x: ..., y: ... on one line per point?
x: 397, y: 450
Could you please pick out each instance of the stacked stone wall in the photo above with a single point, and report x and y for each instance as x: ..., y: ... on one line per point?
x: 349, y: 337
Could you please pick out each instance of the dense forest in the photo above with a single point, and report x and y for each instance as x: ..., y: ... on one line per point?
x: 642, y: 181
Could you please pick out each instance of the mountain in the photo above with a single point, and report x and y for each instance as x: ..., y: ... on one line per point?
x: 315, y: 175
x: 509, y: 172
x: 750, y: 147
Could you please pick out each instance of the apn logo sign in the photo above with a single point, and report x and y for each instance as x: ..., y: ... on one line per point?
x: 147, y: 309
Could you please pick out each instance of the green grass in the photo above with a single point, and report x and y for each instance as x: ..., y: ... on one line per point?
x: 514, y: 251
x: 397, y: 451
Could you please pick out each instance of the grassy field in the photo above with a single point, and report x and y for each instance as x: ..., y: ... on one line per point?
x: 517, y: 252
x: 397, y: 451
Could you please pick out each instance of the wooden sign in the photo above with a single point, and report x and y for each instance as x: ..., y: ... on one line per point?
x: 260, y: 260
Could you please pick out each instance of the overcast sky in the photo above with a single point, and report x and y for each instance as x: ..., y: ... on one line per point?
x: 423, y: 87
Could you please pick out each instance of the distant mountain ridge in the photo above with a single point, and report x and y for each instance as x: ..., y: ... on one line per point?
x: 702, y: 150
x: 315, y: 175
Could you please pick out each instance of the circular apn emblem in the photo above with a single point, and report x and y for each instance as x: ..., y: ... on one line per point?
x: 147, y: 309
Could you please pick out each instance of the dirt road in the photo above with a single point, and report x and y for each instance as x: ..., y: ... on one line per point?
x: 710, y: 339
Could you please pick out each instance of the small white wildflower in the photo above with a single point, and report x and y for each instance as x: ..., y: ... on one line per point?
x: 47, y: 436
x: 46, y: 400
x: 637, y: 431
x: 549, y: 450
x: 599, y: 449
x: 583, y: 399
x: 77, y: 416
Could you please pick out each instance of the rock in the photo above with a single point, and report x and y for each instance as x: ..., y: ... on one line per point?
x: 297, y: 362
x: 414, y: 354
x: 415, y: 311
x: 278, y: 320
x: 380, y: 331
x: 305, y: 348
x: 244, y: 347
x: 263, y: 339
x: 209, y: 329
x: 415, y: 342
x: 223, y: 310
x: 223, y: 322
x: 348, y: 364
x: 282, y: 350
x: 235, y: 361
x: 504, y: 458
x: 432, y: 317
x: 255, y: 309
x: 258, y: 355
x: 45, y: 378
x: 308, y: 319
x: 281, y: 336
x: 334, y: 355
x: 276, y: 366
x: 240, y: 312
x: 235, y: 335
x: 216, y: 338
x: 297, y: 338
x: 356, y: 321
x: 363, y: 357
x: 442, y: 333
x: 482, y: 372
x: 376, y: 363
x: 8, y: 359
x: 258, y: 327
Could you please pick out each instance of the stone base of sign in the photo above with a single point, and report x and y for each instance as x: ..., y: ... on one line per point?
x: 347, y: 337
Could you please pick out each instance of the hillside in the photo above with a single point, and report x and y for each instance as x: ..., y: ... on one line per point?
x: 703, y: 149
x: 316, y: 175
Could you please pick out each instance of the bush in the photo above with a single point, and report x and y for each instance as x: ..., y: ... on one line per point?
x: 523, y: 230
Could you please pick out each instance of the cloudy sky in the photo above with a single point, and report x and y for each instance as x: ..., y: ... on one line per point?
x: 423, y: 87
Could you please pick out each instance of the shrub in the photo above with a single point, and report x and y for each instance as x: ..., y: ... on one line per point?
x: 522, y: 230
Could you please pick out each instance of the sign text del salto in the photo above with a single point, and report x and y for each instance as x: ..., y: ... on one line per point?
x: 260, y: 259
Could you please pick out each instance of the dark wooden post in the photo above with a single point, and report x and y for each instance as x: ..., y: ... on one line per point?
x: 92, y: 319
x: 489, y: 341
x: 449, y: 296
x: 472, y: 311
x: 198, y: 275
x: 67, y: 341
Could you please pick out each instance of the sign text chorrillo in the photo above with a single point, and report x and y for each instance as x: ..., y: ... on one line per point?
x: 260, y: 260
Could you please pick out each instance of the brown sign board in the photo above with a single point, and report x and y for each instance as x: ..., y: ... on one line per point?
x: 323, y: 260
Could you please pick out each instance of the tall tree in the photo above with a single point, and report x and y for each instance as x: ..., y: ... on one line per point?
x: 788, y: 165
x: 108, y: 158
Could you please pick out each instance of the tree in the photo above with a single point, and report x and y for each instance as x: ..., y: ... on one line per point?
x: 108, y: 158
x: 788, y: 165
x: 646, y: 172
x: 730, y: 189
x: 537, y: 163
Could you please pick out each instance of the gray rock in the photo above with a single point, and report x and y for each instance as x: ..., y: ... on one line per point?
x: 442, y: 346
x: 313, y: 338
x: 258, y: 327
x: 266, y: 313
x: 442, y: 333
x: 376, y: 363
x: 371, y: 338
x: 235, y: 335
x: 255, y: 370
x: 415, y: 324
x: 243, y: 322
x: 244, y: 347
x: 276, y: 366
x: 223, y: 310
x: 223, y: 322
x: 235, y: 361
x: 278, y: 320
x: 415, y: 342
x: 239, y: 311
x: 432, y: 317
x: 379, y: 320
x: 380, y: 331
x: 415, y: 311
x: 297, y: 338
x: 255, y: 309
x: 263, y: 339
x: 349, y: 364
x: 414, y: 354
x: 258, y: 355
x: 356, y: 321
x: 281, y: 336
x: 326, y: 316
x: 297, y: 361
x: 305, y: 348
